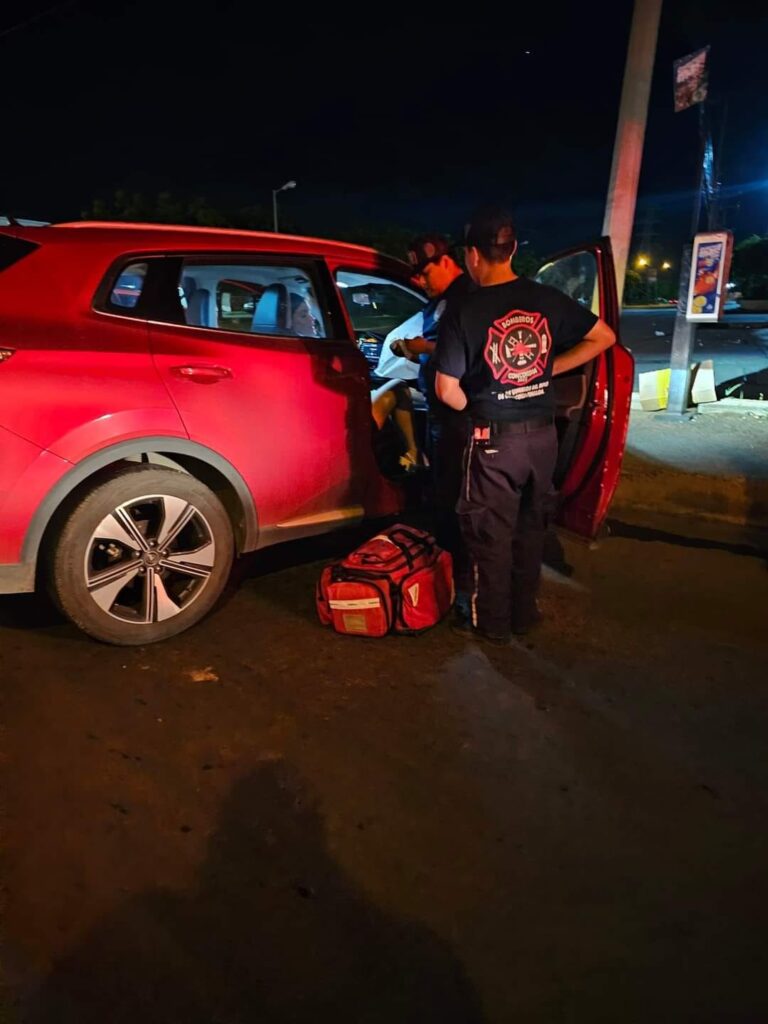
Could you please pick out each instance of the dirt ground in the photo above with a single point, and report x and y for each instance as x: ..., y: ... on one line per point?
x: 263, y: 821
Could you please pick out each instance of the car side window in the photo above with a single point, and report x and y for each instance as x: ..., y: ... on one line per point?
x: 127, y: 289
x: 577, y: 276
x: 376, y: 304
x: 251, y: 297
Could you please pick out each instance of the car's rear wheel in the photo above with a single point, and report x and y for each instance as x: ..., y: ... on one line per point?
x: 142, y: 556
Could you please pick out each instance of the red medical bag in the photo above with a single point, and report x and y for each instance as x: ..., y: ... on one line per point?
x: 399, y: 580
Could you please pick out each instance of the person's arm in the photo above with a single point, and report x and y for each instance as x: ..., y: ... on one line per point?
x: 421, y: 346
x: 448, y: 390
x: 410, y: 347
x: 596, y: 341
x: 450, y: 361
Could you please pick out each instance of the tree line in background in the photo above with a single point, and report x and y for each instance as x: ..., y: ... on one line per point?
x: 750, y: 257
x: 749, y: 271
x: 166, y: 208
x: 639, y: 289
x: 749, y: 275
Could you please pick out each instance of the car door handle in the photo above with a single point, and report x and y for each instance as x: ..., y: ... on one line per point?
x: 202, y: 374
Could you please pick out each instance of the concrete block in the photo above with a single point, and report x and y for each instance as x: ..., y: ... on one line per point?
x: 703, y: 389
x: 654, y: 389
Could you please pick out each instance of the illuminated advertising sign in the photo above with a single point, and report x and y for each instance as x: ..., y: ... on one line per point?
x: 710, y: 266
x: 691, y: 79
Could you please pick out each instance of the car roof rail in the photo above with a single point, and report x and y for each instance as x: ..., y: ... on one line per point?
x: 22, y: 222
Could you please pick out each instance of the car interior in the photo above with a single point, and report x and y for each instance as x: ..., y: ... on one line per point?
x: 376, y: 306
x: 127, y: 289
x: 250, y: 298
x: 257, y: 299
x: 577, y: 276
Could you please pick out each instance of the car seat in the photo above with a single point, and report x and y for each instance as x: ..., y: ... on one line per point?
x: 198, y: 311
x: 127, y: 290
x: 271, y: 313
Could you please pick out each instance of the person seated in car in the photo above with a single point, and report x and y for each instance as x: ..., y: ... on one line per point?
x: 302, y: 322
x: 393, y: 398
x: 437, y: 273
x: 390, y: 398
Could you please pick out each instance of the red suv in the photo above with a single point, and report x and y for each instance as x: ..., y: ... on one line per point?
x: 172, y: 397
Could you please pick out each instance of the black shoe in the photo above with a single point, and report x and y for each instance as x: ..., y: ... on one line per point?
x: 460, y: 617
x: 466, y: 629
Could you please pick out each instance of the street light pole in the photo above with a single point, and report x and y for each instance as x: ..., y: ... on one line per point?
x: 287, y: 185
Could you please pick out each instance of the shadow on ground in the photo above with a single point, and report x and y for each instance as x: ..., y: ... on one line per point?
x: 749, y: 385
x: 274, y: 931
x: 30, y: 611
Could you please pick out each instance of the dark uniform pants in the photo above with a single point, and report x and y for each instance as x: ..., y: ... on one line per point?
x: 502, y: 510
x: 447, y: 440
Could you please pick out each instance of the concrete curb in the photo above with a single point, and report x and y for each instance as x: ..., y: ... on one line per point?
x: 659, y: 488
x: 735, y: 406
x: 732, y: 406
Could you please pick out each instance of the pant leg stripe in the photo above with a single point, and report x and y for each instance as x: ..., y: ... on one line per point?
x: 475, y: 579
x: 469, y: 465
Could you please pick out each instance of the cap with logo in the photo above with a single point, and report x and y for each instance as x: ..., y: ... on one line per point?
x: 427, y: 249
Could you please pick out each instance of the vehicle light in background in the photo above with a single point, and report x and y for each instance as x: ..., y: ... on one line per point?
x: 6, y: 353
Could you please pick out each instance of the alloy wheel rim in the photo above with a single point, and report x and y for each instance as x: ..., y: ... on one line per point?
x: 149, y: 559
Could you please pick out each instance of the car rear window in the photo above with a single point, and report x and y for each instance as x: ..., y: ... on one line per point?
x: 127, y: 289
x: 14, y: 249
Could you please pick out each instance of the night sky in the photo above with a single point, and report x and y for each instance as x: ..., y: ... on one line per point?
x: 380, y: 112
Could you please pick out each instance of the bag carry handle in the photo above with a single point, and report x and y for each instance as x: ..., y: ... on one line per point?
x: 401, y: 547
x: 425, y: 539
x: 372, y: 559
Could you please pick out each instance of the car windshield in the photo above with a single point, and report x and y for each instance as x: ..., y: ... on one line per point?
x: 376, y: 303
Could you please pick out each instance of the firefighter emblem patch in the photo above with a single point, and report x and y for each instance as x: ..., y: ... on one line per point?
x: 518, y: 345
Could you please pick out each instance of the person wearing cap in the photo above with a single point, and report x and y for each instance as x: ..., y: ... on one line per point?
x: 437, y: 272
x: 496, y: 355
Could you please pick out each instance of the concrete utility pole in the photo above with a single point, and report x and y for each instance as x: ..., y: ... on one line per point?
x: 630, y: 133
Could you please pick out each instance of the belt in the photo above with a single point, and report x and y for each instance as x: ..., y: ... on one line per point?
x: 514, y: 426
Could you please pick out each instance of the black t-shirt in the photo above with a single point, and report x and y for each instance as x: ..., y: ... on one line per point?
x: 460, y: 287
x: 500, y: 342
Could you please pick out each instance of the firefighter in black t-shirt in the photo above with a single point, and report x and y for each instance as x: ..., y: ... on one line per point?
x: 439, y: 274
x: 496, y: 354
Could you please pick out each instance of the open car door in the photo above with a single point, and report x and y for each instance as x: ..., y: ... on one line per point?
x: 593, y: 400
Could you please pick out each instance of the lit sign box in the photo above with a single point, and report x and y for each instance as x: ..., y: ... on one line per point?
x: 710, y: 267
x: 691, y: 79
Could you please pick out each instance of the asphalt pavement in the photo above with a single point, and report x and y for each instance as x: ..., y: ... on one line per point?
x: 262, y: 821
x: 738, y: 345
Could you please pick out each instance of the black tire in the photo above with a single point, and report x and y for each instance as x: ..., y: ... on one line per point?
x: 133, y: 617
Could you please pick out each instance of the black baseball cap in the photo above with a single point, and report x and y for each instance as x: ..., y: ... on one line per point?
x: 489, y: 225
x: 427, y: 249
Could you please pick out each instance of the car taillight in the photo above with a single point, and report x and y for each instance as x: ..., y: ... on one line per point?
x: 6, y: 353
